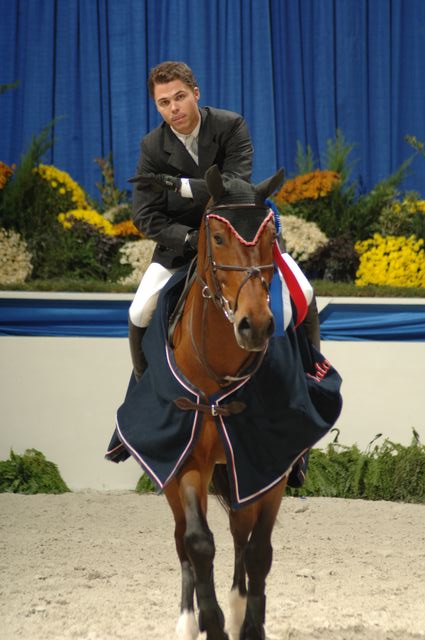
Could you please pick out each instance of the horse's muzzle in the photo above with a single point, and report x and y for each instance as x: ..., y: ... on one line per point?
x: 253, y: 336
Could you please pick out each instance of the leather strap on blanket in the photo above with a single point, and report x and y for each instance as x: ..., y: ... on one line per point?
x: 214, y: 409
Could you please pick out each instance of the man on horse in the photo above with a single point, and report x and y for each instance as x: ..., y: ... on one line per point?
x: 170, y: 192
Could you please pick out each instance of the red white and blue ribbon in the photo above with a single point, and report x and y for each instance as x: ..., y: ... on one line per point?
x: 294, y: 287
x: 291, y: 292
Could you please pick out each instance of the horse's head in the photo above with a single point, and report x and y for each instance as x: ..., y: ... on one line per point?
x: 238, y: 248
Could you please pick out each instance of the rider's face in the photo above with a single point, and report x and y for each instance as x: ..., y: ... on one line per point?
x: 178, y: 105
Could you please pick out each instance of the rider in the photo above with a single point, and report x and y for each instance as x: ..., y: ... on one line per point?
x: 170, y: 192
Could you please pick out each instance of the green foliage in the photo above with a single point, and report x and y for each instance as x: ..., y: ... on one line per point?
x: 388, y: 471
x: 337, y: 261
x: 30, y: 473
x: 8, y: 87
x: 305, y: 161
x: 343, y: 211
x: 416, y: 144
x: 145, y: 485
x: 70, y: 283
x: 337, y: 156
x: 349, y: 289
x: 31, y: 202
x: 82, y: 251
x: 403, y: 218
x: 19, y: 208
x: 370, y: 205
x: 111, y: 196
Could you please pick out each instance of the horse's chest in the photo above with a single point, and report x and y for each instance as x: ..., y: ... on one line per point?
x: 209, y: 441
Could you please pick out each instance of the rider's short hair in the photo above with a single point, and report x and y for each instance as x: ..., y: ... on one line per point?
x: 169, y: 71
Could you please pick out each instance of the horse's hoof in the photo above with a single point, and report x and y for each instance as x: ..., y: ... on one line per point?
x: 187, y: 627
x: 212, y: 622
x: 237, y: 610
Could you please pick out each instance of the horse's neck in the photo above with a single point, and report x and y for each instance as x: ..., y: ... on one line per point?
x: 206, y: 329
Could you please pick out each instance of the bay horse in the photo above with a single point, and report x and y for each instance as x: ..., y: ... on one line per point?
x: 224, y: 331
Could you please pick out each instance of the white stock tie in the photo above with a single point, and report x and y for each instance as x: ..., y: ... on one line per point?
x: 191, y: 144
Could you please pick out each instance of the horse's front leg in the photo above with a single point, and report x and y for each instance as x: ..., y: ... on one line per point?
x: 241, y: 524
x: 258, y: 562
x: 200, y: 548
x: 187, y: 626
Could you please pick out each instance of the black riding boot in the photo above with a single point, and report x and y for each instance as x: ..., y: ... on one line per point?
x: 135, y: 336
x: 312, y: 324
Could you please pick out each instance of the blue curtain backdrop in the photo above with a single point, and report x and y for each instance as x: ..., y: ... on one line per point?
x: 296, y: 69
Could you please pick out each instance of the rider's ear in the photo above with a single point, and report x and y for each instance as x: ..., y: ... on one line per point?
x: 214, y: 182
x: 267, y: 187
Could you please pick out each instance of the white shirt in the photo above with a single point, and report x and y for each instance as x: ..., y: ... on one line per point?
x: 190, y: 141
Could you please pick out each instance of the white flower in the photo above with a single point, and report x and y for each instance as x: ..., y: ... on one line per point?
x: 15, y: 259
x: 301, y: 238
x: 138, y: 254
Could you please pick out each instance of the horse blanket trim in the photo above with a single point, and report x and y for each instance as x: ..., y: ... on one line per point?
x: 287, y: 413
x: 227, y: 441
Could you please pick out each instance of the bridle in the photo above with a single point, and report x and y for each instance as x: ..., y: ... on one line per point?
x: 253, y: 271
x: 218, y: 298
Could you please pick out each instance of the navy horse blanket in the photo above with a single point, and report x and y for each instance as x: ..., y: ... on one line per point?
x: 288, y: 409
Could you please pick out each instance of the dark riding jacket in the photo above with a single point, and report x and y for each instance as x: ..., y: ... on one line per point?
x: 167, y: 217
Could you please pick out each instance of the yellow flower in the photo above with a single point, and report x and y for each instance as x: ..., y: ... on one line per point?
x: 57, y: 178
x: 90, y: 216
x: 391, y: 260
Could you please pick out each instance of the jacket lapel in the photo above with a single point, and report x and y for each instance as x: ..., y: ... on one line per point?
x: 181, y: 160
x: 179, y: 157
x: 207, y: 147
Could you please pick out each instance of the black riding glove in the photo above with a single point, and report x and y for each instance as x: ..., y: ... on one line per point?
x: 156, y: 182
x: 191, y: 242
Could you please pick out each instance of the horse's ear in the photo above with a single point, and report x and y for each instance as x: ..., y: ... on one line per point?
x: 267, y: 187
x: 214, y: 182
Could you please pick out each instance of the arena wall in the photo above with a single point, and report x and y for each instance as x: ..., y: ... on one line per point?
x: 60, y: 395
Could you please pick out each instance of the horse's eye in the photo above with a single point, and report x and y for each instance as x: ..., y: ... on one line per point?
x: 218, y: 239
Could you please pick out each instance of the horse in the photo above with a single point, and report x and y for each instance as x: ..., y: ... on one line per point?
x: 228, y: 400
x: 221, y: 336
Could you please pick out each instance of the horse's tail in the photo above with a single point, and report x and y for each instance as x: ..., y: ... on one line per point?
x: 220, y: 486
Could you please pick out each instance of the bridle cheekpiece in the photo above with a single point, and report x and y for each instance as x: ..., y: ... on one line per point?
x: 253, y: 271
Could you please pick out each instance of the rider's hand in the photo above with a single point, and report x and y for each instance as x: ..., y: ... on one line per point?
x: 156, y: 182
x: 191, y: 242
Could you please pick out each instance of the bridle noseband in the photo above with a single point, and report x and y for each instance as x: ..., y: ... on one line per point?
x: 253, y: 271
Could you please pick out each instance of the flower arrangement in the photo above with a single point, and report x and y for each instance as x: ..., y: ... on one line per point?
x: 90, y: 216
x: 96, y: 219
x: 126, y: 228
x: 62, y: 182
x: 391, y: 260
x: 301, y: 238
x: 402, y: 217
x: 137, y: 254
x: 15, y: 259
x: 308, y: 186
x: 5, y: 173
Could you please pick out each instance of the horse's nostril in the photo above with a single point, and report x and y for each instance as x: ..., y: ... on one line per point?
x: 270, y: 329
x: 244, y: 325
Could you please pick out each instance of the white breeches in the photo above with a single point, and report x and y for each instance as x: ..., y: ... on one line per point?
x: 144, y: 303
